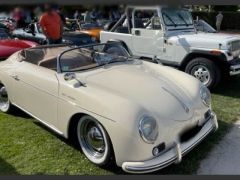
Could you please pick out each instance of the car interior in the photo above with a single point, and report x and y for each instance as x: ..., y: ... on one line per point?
x: 76, y: 59
x: 141, y: 21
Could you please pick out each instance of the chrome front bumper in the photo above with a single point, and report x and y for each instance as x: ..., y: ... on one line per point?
x: 234, y: 70
x: 173, y: 155
x: 234, y: 67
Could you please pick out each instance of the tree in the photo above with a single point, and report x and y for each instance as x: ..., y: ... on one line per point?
x: 232, y: 8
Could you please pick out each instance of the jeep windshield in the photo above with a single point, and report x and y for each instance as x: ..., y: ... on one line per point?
x: 176, y: 17
x: 80, y: 59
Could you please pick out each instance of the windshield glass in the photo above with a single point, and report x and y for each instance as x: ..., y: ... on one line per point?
x: 204, y: 26
x: 79, y: 59
x: 176, y: 17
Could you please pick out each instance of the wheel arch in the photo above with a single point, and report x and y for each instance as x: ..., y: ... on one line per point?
x: 72, y: 124
x: 72, y: 127
x: 220, y: 60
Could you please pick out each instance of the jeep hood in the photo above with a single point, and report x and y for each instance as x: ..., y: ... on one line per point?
x: 203, y: 40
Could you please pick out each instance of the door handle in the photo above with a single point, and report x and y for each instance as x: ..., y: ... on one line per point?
x: 137, y: 33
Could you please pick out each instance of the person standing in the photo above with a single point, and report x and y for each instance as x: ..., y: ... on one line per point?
x: 76, y: 15
x: 51, y: 25
x: 219, y: 19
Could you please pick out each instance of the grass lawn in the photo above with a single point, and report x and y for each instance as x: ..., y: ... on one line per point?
x: 27, y: 147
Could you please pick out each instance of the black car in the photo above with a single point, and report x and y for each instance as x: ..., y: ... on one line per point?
x: 34, y: 33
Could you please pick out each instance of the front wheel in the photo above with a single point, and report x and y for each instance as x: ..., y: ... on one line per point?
x: 5, y: 104
x: 94, y: 141
x: 205, y: 71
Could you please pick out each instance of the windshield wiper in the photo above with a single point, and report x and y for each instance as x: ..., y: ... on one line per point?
x: 179, y: 15
x: 170, y: 19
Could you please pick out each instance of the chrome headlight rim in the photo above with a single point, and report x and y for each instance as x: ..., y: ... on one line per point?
x: 141, y: 132
x: 206, y: 102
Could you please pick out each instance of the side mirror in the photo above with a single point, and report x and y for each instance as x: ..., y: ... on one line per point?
x: 72, y: 76
x: 69, y: 76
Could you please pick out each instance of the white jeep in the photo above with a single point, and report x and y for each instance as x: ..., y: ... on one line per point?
x: 167, y: 35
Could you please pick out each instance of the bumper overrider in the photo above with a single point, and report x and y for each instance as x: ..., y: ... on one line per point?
x: 175, y: 153
x: 234, y: 66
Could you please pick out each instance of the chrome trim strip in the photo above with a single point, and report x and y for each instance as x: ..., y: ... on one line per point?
x: 43, y: 122
x: 179, y: 100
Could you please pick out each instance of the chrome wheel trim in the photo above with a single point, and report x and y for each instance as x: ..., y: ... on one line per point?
x: 93, y: 140
x: 4, y: 101
x: 201, y: 73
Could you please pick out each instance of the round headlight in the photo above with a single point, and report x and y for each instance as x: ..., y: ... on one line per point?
x: 148, y: 129
x: 205, y: 96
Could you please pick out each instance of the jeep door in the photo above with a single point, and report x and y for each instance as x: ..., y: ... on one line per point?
x: 148, y: 36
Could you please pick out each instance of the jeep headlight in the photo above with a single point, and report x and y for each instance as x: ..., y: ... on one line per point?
x: 205, y: 96
x: 148, y: 129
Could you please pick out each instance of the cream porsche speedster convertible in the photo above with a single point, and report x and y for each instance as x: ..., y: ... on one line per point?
x: 140, y: 115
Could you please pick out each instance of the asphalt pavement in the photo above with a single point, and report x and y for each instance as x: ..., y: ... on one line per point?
x: 225, y: 157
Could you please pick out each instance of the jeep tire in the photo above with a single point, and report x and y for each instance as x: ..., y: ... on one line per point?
x: 205, y: 70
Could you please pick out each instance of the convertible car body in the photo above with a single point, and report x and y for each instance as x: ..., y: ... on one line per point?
x: 8, y: 46
x: 34, y: 32
x: 113, y: 105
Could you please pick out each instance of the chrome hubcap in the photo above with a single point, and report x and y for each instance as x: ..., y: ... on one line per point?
x: 92, y: 139
x: 201, y: 73
x: 4, y: 102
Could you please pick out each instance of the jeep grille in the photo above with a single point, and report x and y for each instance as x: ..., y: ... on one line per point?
x: 235, y: 45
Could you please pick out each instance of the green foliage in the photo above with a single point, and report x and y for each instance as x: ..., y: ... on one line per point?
x: 232, y: 8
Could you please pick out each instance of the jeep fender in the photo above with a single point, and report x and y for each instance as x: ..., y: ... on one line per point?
x: 219, y: 59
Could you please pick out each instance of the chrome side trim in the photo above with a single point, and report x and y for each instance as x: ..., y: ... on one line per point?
x: 43, y: 122
x: 178, y: 99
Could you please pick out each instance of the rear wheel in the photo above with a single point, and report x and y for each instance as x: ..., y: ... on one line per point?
x: 94, y: 141
x: 205, y: 71
x: 5, y: 104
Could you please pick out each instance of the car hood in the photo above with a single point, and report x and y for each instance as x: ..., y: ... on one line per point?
x: 17, y: 43
x: 9, y: 46
x: 153, y: 89
x: 199, y: 40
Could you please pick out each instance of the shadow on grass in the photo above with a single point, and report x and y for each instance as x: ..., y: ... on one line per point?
x: 19, y: 113
x: 229, y: 87
x: 6, y: 168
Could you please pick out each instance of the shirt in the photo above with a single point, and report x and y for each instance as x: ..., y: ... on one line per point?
x: 219, y: 18
x: 51, y: 23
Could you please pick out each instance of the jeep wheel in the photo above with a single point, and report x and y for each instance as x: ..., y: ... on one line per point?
x: 204, y: 70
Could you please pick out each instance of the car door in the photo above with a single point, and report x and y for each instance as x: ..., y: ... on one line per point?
x: 148, y: 37
x: 37, y: 91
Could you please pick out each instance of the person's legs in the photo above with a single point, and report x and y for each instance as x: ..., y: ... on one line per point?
x: 52, y: 41
x: 218, y: 26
